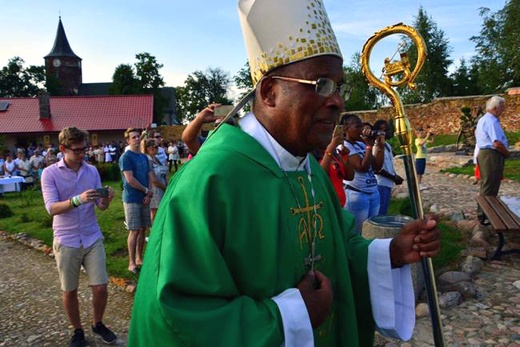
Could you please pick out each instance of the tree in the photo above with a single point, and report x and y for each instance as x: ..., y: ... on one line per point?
x: 142, y: 78
x: 124, y: 81
x: 360, y: 95
x: 243, y: 79
x: 200, y: 89
x: 433, y: 80
x: 17, y: 81
x: 147, y: 71
x: 464, y: 80
x: 244, y: 83
x: 497, y: 60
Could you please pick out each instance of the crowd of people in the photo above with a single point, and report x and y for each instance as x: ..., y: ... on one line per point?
x: 30, y: 161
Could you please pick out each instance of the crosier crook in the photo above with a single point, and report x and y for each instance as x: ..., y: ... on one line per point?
x: 398, y: 74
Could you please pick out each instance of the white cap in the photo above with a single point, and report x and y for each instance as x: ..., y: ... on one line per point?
x: 280, y: 32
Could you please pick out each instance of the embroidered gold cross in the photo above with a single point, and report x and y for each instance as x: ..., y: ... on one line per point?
x: 310, y: 225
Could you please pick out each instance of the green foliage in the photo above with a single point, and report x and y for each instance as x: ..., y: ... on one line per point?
x: 142, y: 78
x: 452, y: 242
x: 109, y: 171
x: 497, y: 61
x: 17, y: 81
x: 464, y: 80
x: 511, y: 170
x: 244, y: 83
x: 5, y: 211
x: 124, y: 81
x: 24, y: 218
x: 433, y: 79
x: 34, y: 220
x: 199, y: 90
x: 360, y: 95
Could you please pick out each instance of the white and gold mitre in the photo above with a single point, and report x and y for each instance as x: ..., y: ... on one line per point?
x: 279, y: 32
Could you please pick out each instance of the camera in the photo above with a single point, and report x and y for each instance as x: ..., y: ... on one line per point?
x: 103, y: 192
x: 374, y: 134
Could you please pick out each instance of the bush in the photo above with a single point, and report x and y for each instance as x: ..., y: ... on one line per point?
x: 109, y: 172
x: 5, y: 211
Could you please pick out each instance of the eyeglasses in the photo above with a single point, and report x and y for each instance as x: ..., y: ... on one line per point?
x: 77, y: 150
x: 323, y: 86
x: 157, y: 136
x: 153, y: 146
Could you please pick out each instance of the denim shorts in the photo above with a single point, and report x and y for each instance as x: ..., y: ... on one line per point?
x: 420, y: 166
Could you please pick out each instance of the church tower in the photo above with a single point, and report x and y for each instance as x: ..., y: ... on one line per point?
x: 62, y: 66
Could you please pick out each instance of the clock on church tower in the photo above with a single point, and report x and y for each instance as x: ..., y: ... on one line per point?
x: 63, y: 65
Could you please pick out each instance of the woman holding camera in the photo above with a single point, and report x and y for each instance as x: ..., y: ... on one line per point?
x: 423, y: 138
x: 362, y: 194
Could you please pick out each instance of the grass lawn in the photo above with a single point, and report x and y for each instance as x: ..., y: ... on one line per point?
x: 31, y: 217
x: 511, y: 169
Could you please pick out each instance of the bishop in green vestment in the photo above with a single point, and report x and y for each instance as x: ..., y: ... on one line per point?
x: 244, y: 225
x: 229, y: 236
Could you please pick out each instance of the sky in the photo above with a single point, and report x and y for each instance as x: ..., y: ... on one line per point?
x: 188, y: 36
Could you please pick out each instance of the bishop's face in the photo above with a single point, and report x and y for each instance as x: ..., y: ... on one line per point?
x: 302, y: 120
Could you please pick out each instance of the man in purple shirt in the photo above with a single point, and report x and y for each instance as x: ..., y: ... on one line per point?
x: 71, y: 189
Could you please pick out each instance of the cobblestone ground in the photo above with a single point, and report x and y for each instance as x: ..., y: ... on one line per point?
x: 31, y: 312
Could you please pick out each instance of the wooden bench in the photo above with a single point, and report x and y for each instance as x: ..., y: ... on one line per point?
x: 502, y: 219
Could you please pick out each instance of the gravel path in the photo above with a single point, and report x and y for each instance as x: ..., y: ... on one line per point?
x: 31, y: 311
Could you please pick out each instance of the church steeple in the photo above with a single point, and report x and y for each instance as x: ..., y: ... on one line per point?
x: 63, y: 66
x: 61, y: 44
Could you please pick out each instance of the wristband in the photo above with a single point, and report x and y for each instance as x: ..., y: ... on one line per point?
x: 329, y: 154
x: 76, y: 201
x: 369, y: 147
x: 145, y: 190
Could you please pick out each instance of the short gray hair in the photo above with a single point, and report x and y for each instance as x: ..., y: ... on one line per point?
x: 494, y: 102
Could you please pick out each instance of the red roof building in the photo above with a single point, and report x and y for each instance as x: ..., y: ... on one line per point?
x: 27, y: 120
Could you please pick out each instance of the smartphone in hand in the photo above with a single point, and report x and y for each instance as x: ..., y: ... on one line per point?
x: 222, y: 110
x: 103, y: 192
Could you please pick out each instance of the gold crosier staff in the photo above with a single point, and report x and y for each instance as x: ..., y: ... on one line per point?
x: 397, y: 74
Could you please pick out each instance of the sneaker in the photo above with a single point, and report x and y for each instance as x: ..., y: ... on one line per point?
x: 106, y: 334
x: 78, y: 339
x: 423, y: 187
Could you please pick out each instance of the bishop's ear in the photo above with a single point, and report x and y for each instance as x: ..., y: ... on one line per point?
x: 267, y: 90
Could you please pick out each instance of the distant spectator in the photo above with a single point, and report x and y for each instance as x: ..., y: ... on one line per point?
x: 361, y: 191
x: 24, y: 169
x: 423, y: 138
x: 161, y: 152
x: 173, y: 155
x: 2, y: 161
x: 137, y: 195
x: 386, y: 176
x: 9, y: 166
x: 492, y: 149
x: 50, y: 157
x: 160, y: 175
x: 37, y: 164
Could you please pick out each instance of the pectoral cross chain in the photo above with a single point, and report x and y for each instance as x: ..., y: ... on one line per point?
x: 312, y: 258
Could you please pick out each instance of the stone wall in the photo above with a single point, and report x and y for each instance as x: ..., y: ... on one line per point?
x: 442, y: 115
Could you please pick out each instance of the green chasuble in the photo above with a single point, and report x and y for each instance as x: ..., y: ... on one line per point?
x: 229, y: 235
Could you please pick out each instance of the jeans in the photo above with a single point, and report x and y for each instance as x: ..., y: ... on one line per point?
x: 362, y: 206
x: 385, y: 193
